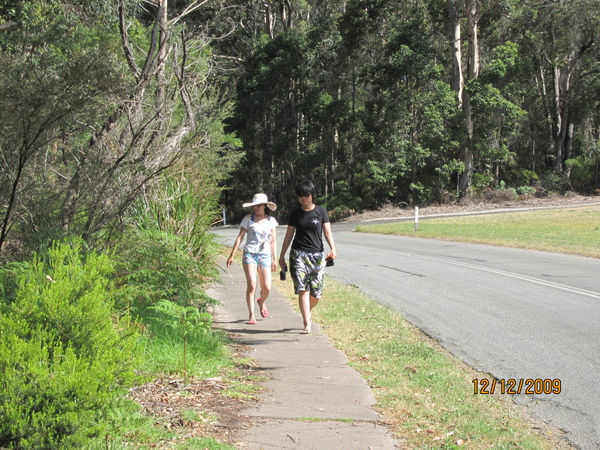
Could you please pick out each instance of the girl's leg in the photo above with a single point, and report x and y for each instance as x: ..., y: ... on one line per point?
x: 264, y: 275
x: 250, y: 272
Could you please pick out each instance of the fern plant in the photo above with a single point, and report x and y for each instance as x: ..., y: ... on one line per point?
x: 185, y: 322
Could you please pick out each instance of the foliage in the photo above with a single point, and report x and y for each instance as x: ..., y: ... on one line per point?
x: 185, y: 322
x: 168, y: 252
x: 56, y: 75
x: 154, y: 266
x: 185, y: 207
x: 584, y: 170
x: 356, y: 95
x: 526, y: 191
x: 102, y: 105
x: 64, y: 351
x: 359, y: 100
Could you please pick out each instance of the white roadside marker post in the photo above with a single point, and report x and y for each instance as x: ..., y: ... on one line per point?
x: 416, y: 218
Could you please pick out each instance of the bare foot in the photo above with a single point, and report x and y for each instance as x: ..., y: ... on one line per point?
x: 264, y: 312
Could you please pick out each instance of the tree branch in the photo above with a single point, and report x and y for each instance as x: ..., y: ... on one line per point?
x: 9, y: 26
x: 190, y: 9
x: 125, y: 40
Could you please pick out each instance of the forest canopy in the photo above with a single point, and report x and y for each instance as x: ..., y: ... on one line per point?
x: 414, y: 102
x: 376, y: 101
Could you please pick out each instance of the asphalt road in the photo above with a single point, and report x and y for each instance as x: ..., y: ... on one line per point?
x: 515, y: 314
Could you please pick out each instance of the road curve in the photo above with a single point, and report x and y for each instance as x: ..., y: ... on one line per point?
x: 515, y: 314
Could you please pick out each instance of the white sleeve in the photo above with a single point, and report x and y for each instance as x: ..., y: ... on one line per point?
x: 245, y: 223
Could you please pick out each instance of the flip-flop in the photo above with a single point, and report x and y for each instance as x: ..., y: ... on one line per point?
x: 305, y: 331
x: 251, y: 322
x: 264, y: 311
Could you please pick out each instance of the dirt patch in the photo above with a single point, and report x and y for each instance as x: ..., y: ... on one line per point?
x: 197, y: 407
x: 467, y: 206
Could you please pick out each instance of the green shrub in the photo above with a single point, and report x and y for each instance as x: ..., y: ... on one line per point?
x: 64, y: 354
x: 340, y: 212
x: 526, y: 191
x: 482, y: 182
x: 585, y: 172
x: 156, y: 266
x: 420, y: 194
x: 528, y: 176
x: 10, y: 274
x: 553, y: 182
x: 185, y: 208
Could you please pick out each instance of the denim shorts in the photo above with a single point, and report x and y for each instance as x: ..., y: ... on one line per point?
x: 260, y: 259
x: 307, y: 271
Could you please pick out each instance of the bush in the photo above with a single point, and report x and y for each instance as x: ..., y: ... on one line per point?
x: 156, y: 266
x: 420, y: 194
x: 181, y: 326
x: 526, y: 191
x: 552, y: 182
x: 482, y: 183
x: 343, y: 203
x: 64, y: 354
x: 584, y: 173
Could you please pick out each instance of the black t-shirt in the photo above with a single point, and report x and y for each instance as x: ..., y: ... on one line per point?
x: 309, y: 228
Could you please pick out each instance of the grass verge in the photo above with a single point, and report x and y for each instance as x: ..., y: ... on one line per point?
x: 424, y: 392
x: 572, y: 231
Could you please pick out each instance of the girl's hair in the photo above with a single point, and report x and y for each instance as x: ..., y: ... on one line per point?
x: 267, y: 209
x: 305, y: 188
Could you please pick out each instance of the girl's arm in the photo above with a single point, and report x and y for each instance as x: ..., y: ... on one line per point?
x: 274, y: 249
x: 237, y: 243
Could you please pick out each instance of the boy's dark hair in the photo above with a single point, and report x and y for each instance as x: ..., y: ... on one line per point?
x: 305, y: 188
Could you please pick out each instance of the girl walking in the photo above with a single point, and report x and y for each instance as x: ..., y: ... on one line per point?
x: 259, y: 252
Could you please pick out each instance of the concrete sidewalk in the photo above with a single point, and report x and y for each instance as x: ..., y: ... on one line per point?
x: 313, y: 398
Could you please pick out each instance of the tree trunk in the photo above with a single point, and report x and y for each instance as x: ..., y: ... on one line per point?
x: 473, y: 10
x: 162, y: 54
x: 569, y: 147
x: 287, y: 14
x: 456, y: 81
x: 270, y: 19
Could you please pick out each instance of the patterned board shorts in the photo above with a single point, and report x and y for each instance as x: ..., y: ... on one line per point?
x: 260, y: 259
x: 307, y: 271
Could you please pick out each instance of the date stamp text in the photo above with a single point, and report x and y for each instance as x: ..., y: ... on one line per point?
x: 516, y: 386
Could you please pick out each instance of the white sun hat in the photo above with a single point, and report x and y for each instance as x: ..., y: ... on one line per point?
x: 261, y: 199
